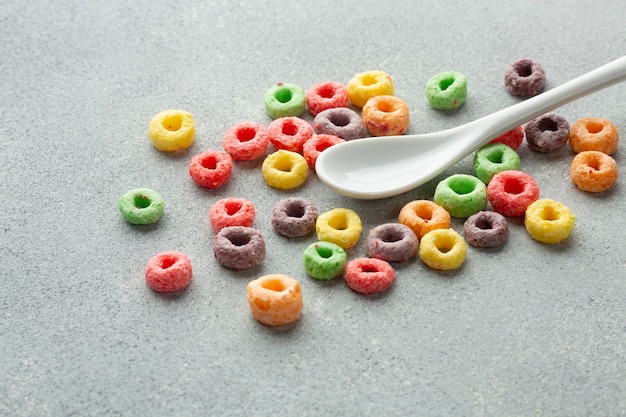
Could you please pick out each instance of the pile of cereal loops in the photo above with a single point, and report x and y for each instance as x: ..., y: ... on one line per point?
x: 289, y: 145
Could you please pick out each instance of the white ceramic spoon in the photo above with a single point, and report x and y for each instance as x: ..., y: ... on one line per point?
x: 380, y: 167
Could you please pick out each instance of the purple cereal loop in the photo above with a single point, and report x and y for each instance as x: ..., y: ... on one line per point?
x: 547, y: 133
x: 239, y: 247
x: 525, y: 78
x: 392, y: 242
x: 486, y: 229
x: 294, y: 217
x: 341, y: 122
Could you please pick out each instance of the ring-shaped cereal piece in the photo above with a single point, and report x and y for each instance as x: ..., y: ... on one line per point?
x: 422, y: 216
x: 593, y: 171
x: 339, y: 121
x: 316, y: 145
x: 525, y: 77
x: 386, y: 116
x: 294, y: 217
x: 443, y: 249
x: 461, y: 194
x: 284, y: 100
x: 172, y: 130
x: 239, y: 247
x: 168, y: 272
x: 369, y: 275
x: 231, y: 212
x: 326, y: 95
x: 494, y: 158
x: 324, y: 260
x: 141, y: 206
x: 594, y: 134
x: 340, y: 226
x: 511, y: 192
x: 486, y: 229
x: 513, y: 138
x: 246, y: 141
x: 549, y: 221
x: 547, y: 133
x: 289, y: 133
x: 275, y: 299
x: 368, y: 84
x: 392, y: 242
x: 211, y: 169
x: 447, y: 90
x: 285, y: 169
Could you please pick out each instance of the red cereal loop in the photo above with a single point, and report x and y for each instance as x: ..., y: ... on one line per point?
x: 369, y: 275
x: 168, y: 272
x: 513, y: 138
x: 211, y: 169
x: 289, y: 133
x: 246, y: 141
x: 316, y: 145
x: 231, y: 212
x: 326, y: 95
x: 511, y: 192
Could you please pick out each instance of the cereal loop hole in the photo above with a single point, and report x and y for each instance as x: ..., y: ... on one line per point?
x: 283, y: 95
x: 338, y: 223
x: 289, y: 128
x: 339, y: 119
x: 369, y: 79
x: 524, y: 70
x: 445, y: 245
x: 324, y: 252
x: 424, y: 212
x: 461, y: 186
x: 284, y: 166
x: 327, y: 91
x: 245, y: 134
x: 142, y: 201
x: 594, y: 127
x: 513, y: 186
x: 210, y: 162
x: 391, y: 236
x: 445, y: 83
x: 167, y: 262
x: 550, y: 214
x: 484, y: 223
x: 295, y: 210
x: 232, y: 207
x: 548, y: 124
x: 496, y: 157
x: 173, y: 122
x: 239, y: 239
x: 273, y: 285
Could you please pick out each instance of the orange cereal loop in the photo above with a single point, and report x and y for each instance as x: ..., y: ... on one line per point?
x: 275, y: 299
x: 593, y: 171
x: 422, y: 216
x: 386, y: 116
x: 593, y: 134
x: 368, y: 84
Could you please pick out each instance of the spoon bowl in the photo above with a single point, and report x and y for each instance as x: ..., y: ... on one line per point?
x: 385, y: 166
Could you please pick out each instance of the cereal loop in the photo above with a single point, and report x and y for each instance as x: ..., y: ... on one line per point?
x: 231, y: 212
x: 172, y: 130
x: 211, y: 169
x: 494, y: 158
x: 239, y: 247
x: 141, y: 206
x: 594, y: 134
x: 326, y: 95
x: 593, y: 171
x: 246, y: 141
x: 443, y: 249
x: 168, y: 272
x: 462, y: 195
x: 289, y: 133
x: 549, y: 221
x: 284, y: 100
x: 392, y: 242
x: 486, y: 229
x: 525, y: 78
x: 513, y: 138
x: 447, y: 90
x: 275, y: 299
x: 511, y: 192
x: 369, y: 275
x: 386, y: 116
x: 316, y: 145
x: 340, y: 226
x: 294, y: 217
x: 547, y: 133
x: 422, y: 216
x: 324, y: 260
x: 342, y: 122
x: 285, y: 170
x: 368, y: 84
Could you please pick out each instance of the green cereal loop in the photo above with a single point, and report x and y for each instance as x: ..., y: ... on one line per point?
x: 491, y: 159
x: 324, y: 260
x: 447, y: 90
x: 141, y: 206
x: 461, y: 195
x: 285, y: 100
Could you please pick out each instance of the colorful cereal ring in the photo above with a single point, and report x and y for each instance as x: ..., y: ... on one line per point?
x: 326, y: 95
x: 239, y: 247
x: 525, y: 78
x: 294, y: 217
x: 231, y: 212
x: 447, y: 90
x: 316, y: 145
x: 494, y: 158
x: 246, y: 141
x: 594, y: 134
x: 284, y: 100
x: 461, y: 195
x: 513, y: 138
x: 392, y: 242
x: 368, y: 84
x: 172, y: 130
x: 422, y: 216
x: 443, y: 249
x: 211, y: 169
x: 324, y: 260
x: 168, y: 272
x: 141, y: 206
x: 339, y: 121
x: 340, y: 226
x: 289, y: 133
x: 593, y: 171
x: 511, y: 192
x: 369, y: 275
x: 486, y: 229
x: 547, y: 133
x: 549, y: 221
x: 386, y: 116
x: 285, y: 170
x: 275, y: 299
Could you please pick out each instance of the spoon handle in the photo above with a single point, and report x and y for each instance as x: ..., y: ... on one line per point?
x: 504, y: 120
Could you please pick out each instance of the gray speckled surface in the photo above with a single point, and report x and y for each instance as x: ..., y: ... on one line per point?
x: 524, y: 330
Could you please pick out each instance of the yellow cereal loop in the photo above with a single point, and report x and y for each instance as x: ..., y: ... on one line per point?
x: 340, y: 226
x: 368, y: 84
x: 443, y: 249
x: 549, y: 221
x: 172, y: 130
x: 285, y: 169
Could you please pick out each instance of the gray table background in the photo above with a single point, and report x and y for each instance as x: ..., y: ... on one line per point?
x: 524, y: 330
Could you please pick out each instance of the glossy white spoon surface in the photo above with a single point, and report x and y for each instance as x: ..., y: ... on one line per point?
x: 380, y: 167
